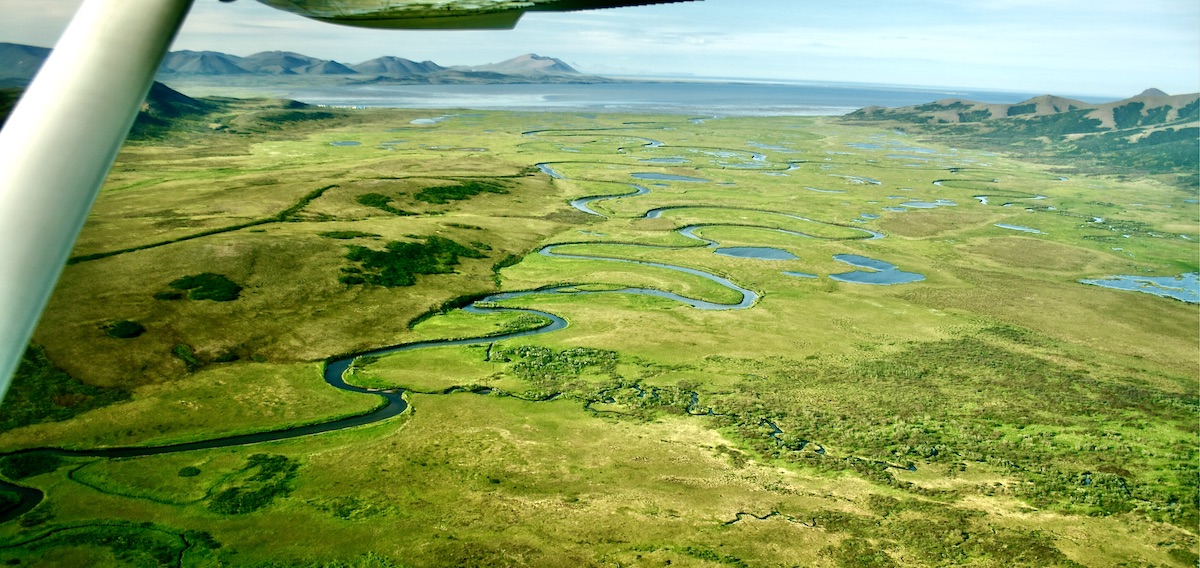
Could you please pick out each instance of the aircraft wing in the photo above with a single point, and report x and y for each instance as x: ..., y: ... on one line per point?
x: 443, y: 14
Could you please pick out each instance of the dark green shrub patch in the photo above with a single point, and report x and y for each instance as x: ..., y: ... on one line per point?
x: 124, y: 329
x: 443, y: 194
x: 380, y: 202
x: 21, y: 466
x: 208, y: 286
x: 347, y: 235
x: 184, y: 353
x: 264, y: 478
x: 400, y: 262
x: 41, y: 392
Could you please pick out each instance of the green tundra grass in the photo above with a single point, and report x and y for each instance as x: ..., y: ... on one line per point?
x: 996, y: 413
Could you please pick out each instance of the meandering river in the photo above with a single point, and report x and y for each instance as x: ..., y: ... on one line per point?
x: 392, y: 401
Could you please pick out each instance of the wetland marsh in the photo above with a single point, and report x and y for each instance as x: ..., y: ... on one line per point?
x: 489, y: 345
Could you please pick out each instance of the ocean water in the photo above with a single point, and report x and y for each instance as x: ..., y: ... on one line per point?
x: 697, y: 99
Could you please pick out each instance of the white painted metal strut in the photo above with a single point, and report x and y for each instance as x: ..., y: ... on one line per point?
x: 59, y: 144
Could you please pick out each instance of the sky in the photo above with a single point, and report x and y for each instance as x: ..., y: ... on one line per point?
x: 1101, y: 48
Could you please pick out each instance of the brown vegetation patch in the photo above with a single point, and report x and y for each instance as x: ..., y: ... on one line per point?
x: 1022, y: 252
x: 921, y: 224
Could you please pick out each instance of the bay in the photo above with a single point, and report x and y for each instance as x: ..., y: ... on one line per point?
x: 699, y: 99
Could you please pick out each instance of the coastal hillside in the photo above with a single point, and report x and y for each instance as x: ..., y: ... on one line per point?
x: 18, y: 63
x: 1152, y: 132
x: 8, y: 99
x: 164, y: 109
x: 169, y: 113
x: 1151, y: 108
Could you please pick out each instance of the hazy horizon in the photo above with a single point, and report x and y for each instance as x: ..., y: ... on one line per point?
x: 1105, y: 49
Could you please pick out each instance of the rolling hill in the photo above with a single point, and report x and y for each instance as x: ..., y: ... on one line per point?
x: 164, y: 108
x: 19, y: 62
x: 1152, y: 132
x: 1150, y: 108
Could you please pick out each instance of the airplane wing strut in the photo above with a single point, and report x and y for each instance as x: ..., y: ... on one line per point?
x: 59, y: 143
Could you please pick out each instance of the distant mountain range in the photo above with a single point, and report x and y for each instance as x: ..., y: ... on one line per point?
x: 18, y: 63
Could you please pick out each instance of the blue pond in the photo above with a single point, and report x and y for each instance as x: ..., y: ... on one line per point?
x: 1185, y: 287
x: 1019, y: 228
x: 861, y: 180
x: 760, y: 253
x: 667, y: 177
x: 664, y: 160
x: 433, y: 120
x: 915, y: 149
x: 929, y: 204
x: 800, y: 274
x: 878, y: 271
x: 769, y: 147
x: 345, y: 143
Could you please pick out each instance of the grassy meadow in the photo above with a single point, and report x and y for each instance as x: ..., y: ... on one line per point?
x: 997, y: 413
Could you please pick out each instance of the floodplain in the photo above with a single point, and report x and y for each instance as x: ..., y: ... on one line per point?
x: 697, y: 409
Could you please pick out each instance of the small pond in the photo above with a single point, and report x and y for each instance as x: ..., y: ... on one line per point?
x: 346, y: 143
x: 672, y: 160
x: 760, y: 253
x: 914, y: 149
x: 861, y: 180
x: 929, y: 204
x: 667, y: 177
x: 769, y: 147
x: 426, y: 121
x: 800, y: 275
x: 1019, y: 228
x: 1185, y: 287
x: 878, y: 272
